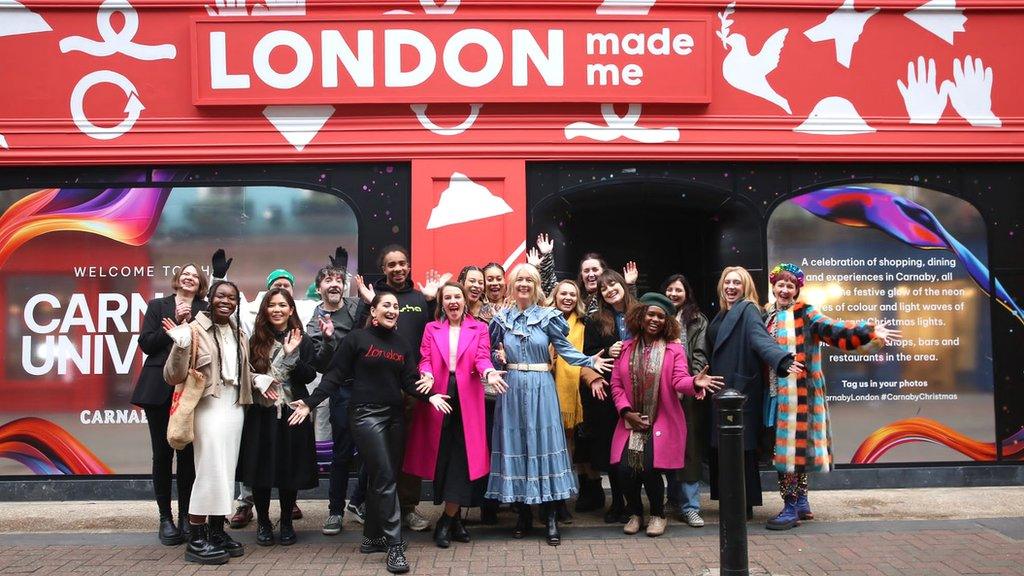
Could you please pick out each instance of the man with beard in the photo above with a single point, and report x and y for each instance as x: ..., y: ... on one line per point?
x: 332, y: 320
x: 416, y: 307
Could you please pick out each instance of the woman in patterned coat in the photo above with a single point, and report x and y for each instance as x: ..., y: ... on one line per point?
x: 797, y: 402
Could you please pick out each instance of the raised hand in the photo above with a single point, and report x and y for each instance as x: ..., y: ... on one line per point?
x: 439, y: 402
x: 292, y: 341
x: 706, y: 382
x: 597, y: 389
x: 425, y: 383
x: 601, y: 364
x: 970, y: 92
x: 299, y: 414
x: 227, y: 8
x: 887, y: 334
x: 326, y: 325
x: 340, y: 258
x: 533, y: 257
x: 923, y: 100
x: 168, y: 324
x: 366, y: 291
x: 434, y: 282
x: 545, y: 244
x: 220, y: 264
x: 496, y: 380
x: 630, y: 273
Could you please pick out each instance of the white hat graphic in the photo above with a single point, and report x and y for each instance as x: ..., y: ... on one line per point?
x: 834, y: 116
x: 464, y: 201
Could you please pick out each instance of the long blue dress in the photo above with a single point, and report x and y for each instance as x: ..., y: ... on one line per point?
x: 529, y: 459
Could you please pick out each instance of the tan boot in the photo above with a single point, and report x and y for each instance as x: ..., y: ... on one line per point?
x: 656, y: 526
x: 633, y: 526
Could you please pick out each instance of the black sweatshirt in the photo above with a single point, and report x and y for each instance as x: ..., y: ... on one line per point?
x: 377, y: 363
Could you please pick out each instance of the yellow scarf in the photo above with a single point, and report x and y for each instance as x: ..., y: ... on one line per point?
x: 567, y: 378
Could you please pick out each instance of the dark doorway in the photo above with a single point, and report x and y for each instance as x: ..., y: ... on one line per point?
x: 666, y: 225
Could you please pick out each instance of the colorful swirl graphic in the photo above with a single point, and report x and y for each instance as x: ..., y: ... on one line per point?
x: 127, y: 215
x: 926, y: 430
x: 904, y: 220
x: 46, y: 448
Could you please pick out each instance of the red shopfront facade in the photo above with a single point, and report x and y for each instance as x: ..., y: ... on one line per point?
x: 876, y: 144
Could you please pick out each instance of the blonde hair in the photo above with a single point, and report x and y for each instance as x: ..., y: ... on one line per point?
x: 531, y: 271
x: 749, y: 289
x: 580, y: 310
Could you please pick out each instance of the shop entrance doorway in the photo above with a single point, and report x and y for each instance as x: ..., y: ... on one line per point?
x: 666, y: 225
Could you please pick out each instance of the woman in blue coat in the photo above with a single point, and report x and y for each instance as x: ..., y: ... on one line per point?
x: 530, y: 462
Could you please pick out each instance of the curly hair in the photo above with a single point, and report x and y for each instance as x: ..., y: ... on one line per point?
x: 670, y: 330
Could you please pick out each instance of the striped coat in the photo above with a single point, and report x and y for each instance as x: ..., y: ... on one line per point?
x: 803, y: 441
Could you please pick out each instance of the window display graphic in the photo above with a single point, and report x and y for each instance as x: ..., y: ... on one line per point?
x: 913, y: 259
x: 77, y: 268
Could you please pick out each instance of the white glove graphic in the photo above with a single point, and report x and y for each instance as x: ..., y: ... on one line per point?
x: 970, y: 92
x: 923, y: 101
x: 280, y: 8
x: 227, y: 8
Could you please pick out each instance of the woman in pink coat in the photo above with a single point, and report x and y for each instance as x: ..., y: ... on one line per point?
x: 648, y: 378
x: 451, y: 448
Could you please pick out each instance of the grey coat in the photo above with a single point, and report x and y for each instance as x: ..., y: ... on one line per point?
x: 740, y: 352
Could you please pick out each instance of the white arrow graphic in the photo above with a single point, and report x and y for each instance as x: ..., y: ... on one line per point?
x: 421, y: 114
x: 298, y: 124
x: 17, y: 19
x: 132, y: 109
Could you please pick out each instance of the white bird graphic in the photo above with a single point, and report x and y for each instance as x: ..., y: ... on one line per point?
x: 844, y: 26
x: 746, y: 72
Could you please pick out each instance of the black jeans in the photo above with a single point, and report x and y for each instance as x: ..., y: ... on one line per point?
x: 341, y: 457
x: 650, y: 479
x: 261, y: 500
x: 379, y: 433
x: 163, y: 458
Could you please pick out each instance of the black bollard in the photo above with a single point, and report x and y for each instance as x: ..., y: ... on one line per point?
x: 732, y: 495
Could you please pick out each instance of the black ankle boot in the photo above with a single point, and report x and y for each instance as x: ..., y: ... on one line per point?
x: 442, y: 531
x: 200, y: 550
x: 396, y: 562
x: 459, y: 532
x: 288, y: 536
x: 183, y: 524
x: 554, y: 537
x: 525, y: 521
x: 264, y: 533
x: 169, y: 534
x: 563, y: 513
x: 591, y: 495
x: 218, y: 537
x: 489, y: 513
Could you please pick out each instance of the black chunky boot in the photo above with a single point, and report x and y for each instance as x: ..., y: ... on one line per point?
x: 170, y: 535
x: 264, y: 533
x: 525, y: 521
x: 202, y: 551
x: 218, y: 537
x: 396, y: 562
x: 442, y: 531
x: 288, y: 536
x: 459, y: 532
x: 554, y: 537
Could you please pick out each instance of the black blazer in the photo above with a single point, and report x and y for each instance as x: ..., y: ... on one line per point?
x: 740, y: 352
x: 151, y: 390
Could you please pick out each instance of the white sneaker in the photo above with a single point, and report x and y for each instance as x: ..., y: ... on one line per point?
x: 692, y: 517
x: 413, y: 521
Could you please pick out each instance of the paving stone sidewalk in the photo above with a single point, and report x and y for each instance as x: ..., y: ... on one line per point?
x: 889, y: 548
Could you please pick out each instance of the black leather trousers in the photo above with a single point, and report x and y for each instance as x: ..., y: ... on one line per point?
x: 379, y: 435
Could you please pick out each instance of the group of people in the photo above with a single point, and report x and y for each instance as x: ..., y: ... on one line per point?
x: 514, y: 388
